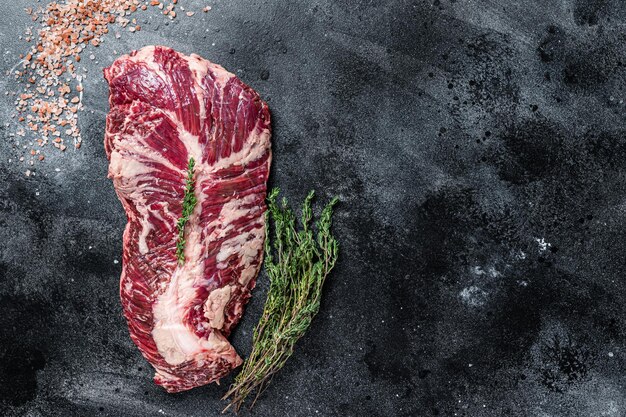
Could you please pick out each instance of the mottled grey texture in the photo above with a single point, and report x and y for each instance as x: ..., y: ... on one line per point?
x: 479, y: 151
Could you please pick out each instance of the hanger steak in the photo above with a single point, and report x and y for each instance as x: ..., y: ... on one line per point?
x: 189, y: 151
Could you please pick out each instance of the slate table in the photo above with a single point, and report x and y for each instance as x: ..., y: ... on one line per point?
x: 478, y: 148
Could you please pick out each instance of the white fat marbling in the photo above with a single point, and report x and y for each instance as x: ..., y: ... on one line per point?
x: 215, y: 304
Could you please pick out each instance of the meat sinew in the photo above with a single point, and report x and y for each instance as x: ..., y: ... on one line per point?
x: 166, y: 108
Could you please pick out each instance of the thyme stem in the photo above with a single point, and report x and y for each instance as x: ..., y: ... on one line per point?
x: 189, y: 203
x: 297, y: 263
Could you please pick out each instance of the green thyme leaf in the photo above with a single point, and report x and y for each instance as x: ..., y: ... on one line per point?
x: 297, y: 262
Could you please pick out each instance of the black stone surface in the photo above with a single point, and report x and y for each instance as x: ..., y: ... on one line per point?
x: 478, y: 148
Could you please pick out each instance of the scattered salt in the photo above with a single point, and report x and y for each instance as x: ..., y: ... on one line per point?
x: 66, y: 28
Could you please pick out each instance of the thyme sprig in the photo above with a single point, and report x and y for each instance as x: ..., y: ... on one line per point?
x: 189, y: 203
x: 297, y: 263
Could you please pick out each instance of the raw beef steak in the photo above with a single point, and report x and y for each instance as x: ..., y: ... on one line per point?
x: 165, y: 109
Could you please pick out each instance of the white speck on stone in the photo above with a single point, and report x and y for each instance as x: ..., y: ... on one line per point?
x: 473, y: 296
x: 543, y: 245
x: 494, y: 272
x: 115, y: 261
x: 611, y: 354
x: 478, y: 270
x: 491, y: 271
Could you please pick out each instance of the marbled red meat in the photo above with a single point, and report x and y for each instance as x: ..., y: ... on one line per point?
x: 166, y: 108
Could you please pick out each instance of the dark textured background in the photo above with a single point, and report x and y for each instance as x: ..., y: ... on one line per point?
x: 478, y: 148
